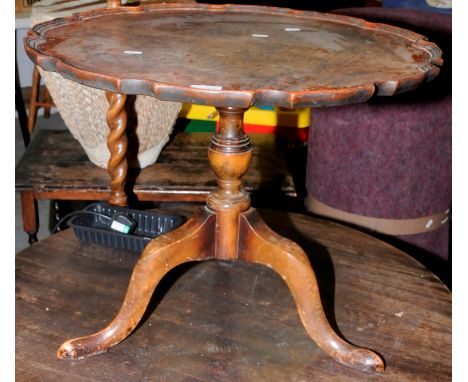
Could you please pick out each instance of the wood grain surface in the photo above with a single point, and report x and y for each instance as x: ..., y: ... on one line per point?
x: 182, y: 172
x: 234, y: 55
x: 232, y: 321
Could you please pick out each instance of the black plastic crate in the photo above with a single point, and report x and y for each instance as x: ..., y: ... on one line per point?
x: 95, y: 229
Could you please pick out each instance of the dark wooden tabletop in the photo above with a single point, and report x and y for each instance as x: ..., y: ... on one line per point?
x: 56, y: 162
x: 221, y: 321
x: 233, y: 55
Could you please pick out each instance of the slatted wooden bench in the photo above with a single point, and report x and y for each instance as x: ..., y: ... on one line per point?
x: 55, y: 166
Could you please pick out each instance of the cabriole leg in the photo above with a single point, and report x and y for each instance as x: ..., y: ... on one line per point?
x: 263, y: 246
x: 192, y: 242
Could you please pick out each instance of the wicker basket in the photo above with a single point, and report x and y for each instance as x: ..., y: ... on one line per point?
x: 84, y: 109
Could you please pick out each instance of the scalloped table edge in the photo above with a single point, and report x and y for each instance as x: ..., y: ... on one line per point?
x: 228, y: 97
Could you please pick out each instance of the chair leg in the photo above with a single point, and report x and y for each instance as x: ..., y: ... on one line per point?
x: 47, y: 103
x: 32, y: 117
x: 30, y: 218
x: 117, y: 143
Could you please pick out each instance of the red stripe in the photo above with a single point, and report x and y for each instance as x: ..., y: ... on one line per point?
x: 293, y: 133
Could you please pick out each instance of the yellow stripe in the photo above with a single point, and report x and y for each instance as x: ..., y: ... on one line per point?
x: 299, y: 118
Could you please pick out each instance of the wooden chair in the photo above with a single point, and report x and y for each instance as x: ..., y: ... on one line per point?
x: 35, y: 102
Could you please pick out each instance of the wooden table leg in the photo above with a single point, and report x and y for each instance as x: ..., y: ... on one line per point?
x: 29, y: 211
x: 192, y: 242
x: 117, y: 143
x: 263, y: 246
x: 226, y: 229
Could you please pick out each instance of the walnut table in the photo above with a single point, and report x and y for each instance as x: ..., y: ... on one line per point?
x: 230, y: 57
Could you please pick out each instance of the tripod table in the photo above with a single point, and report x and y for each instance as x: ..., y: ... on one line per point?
x: 230, y: 57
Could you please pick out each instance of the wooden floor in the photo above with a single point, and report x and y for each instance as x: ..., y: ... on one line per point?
x: 231, y: 321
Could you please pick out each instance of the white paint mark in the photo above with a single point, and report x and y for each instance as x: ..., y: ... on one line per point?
x: 399, y: 314
x: 447, y: 211
x: 369, y: 325
x: 207, y: 87
x: 212, y: 348
x: 259, y: 35
x: 47, y: 309
x: 292, y: 29
x: 444, y: 221
x: 137, y: 52
x: 429, y: 223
